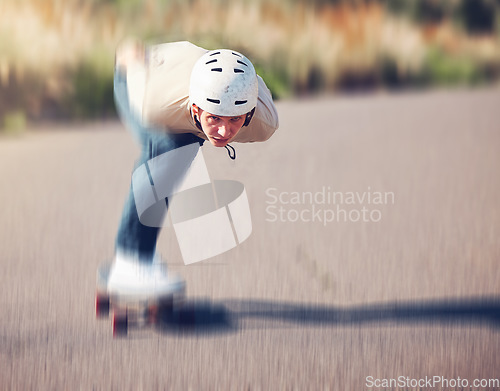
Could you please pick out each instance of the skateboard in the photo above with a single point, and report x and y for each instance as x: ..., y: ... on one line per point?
x: 131, y: 311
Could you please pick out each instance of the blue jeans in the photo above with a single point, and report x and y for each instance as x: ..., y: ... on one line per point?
x: 134, y: 238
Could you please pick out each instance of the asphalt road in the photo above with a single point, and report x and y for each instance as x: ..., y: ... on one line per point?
x: 312, y: 300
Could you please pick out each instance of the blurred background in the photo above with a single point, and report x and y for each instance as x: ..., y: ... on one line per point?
x: 300, y: 304
x: 56, y: 56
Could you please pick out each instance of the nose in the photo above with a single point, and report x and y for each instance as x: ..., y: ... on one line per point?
x: 223, y: 131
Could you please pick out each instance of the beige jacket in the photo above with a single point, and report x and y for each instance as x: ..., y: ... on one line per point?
x: 159, y: 93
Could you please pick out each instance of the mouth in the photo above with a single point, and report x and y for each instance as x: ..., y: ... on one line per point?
x: 220, y: 139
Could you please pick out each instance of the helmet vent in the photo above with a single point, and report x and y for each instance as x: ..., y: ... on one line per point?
x: 224, y: 82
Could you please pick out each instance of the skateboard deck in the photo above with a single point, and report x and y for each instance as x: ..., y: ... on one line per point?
x: 130, y: 310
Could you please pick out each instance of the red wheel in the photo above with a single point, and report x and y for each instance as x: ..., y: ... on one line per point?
x: 120, y: 324
x: 101, y: 306
x: 152, y: 314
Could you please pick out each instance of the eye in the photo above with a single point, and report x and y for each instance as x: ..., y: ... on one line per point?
x: 213, y: 118
x: 236, y: 119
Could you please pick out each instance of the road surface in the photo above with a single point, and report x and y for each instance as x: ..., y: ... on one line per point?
x: 374, y: 255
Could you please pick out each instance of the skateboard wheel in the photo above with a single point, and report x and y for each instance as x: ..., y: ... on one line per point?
x: 102, y: 306
x: 120, y: 324
x: 152, y: 314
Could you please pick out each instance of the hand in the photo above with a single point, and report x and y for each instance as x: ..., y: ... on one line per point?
x: 131, y: 51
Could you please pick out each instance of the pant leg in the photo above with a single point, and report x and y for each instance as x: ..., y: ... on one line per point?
x: 134, y: 238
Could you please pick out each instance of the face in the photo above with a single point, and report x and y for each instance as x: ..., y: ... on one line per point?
x: 219, y: 130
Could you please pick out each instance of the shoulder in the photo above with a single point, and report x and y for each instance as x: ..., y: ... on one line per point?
x: 265, y: 120
x: 166, y: 93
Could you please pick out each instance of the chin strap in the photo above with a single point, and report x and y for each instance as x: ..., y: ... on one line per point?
x: 231, y: 151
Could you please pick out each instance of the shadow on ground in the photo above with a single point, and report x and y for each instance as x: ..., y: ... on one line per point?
x: 202, y: 316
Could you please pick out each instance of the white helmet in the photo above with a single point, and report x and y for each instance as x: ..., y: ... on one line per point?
x: 224, y: 82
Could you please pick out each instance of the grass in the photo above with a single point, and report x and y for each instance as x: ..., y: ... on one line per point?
x: 57, y: 55
x: 14, y: 122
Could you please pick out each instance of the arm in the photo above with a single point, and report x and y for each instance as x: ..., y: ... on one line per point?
x: 131, y: 60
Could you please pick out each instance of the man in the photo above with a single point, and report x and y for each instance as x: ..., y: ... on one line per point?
x: 169, y: 96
